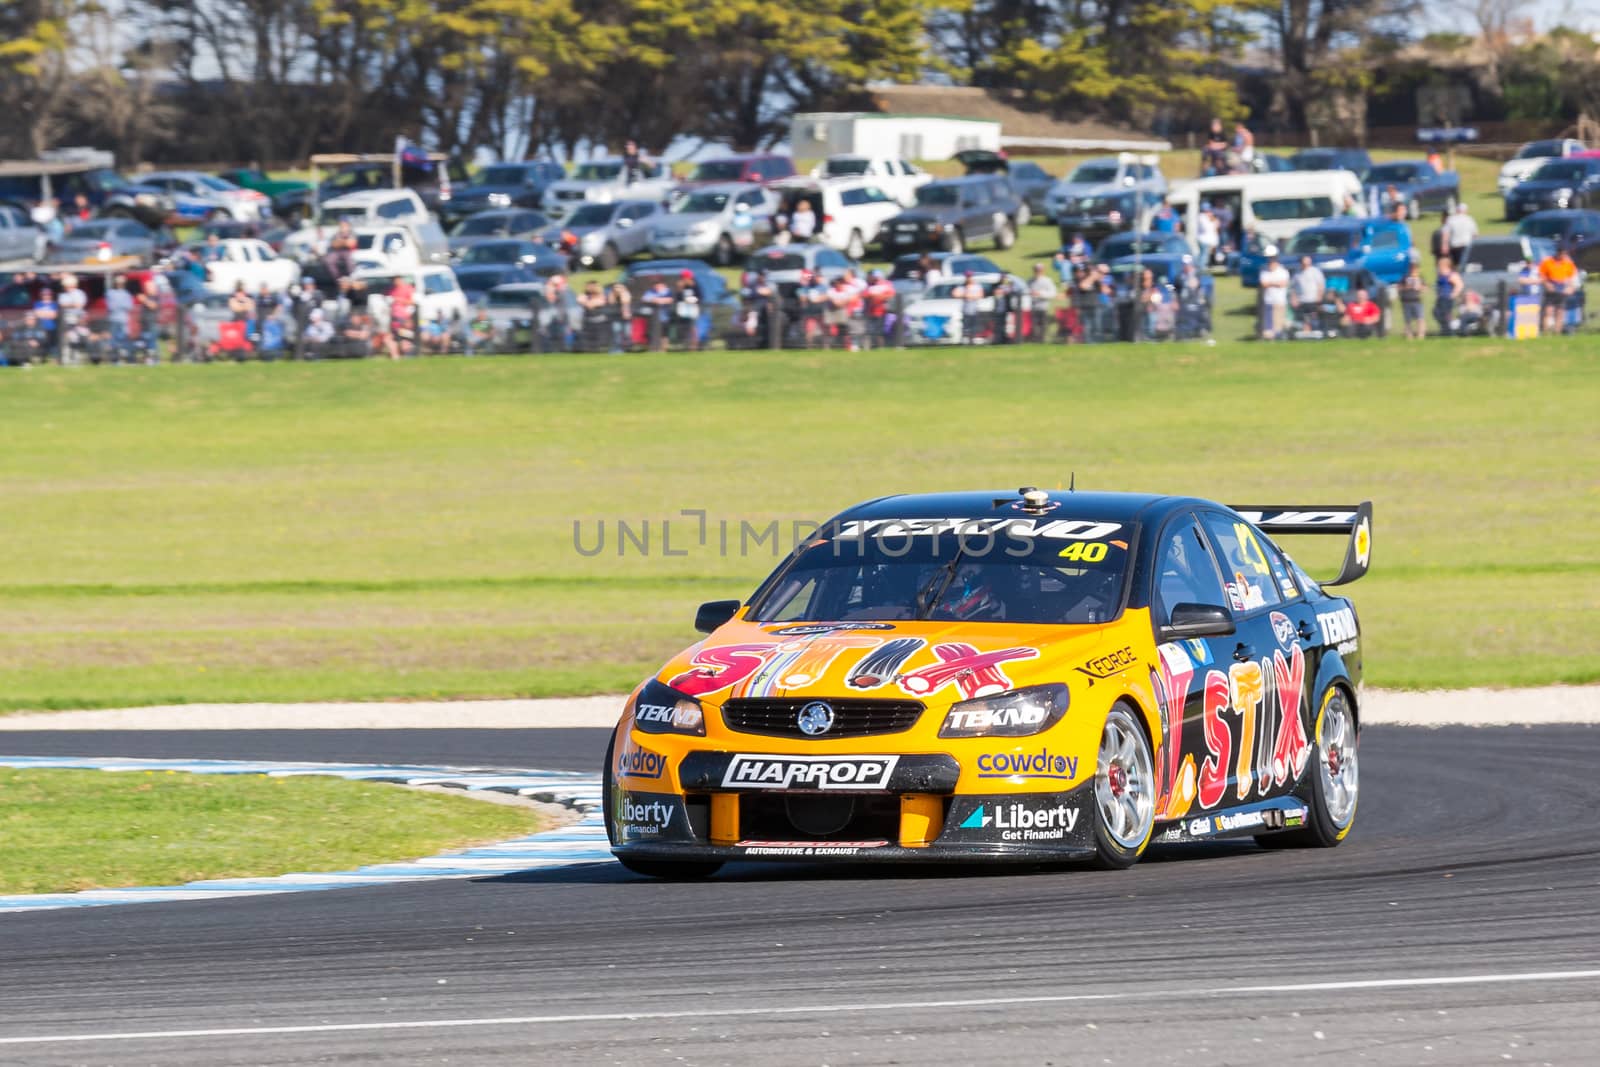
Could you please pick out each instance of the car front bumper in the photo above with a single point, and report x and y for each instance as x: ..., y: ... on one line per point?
x: 691, y: 246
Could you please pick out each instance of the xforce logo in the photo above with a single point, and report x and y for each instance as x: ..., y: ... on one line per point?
x: 644, y: 818
x: 1018, y: 822
x: 640, y: 763
x: 853, y: 773
x: 1110, y: 663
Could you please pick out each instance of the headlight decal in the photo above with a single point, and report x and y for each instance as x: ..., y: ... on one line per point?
x: 1018, y: 713
x: 661, y: 709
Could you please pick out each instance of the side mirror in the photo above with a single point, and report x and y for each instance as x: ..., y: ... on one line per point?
x: 624, y: 223
x: 1197, y: 620
x: 714, y: 613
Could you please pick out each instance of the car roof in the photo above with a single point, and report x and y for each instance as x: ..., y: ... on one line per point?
x: 730, y: 188
x: 363, y: 197
x: 1066, y: 504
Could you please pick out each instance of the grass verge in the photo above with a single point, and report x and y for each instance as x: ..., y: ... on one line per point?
x: 69, y: 830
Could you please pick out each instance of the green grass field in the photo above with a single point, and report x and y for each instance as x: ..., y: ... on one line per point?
x: 377, y: 530
x: 67, y: 830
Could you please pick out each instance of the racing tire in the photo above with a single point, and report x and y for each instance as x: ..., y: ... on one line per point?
x: 1124, y: 791
x: 855, y: 248
x: 609, y: 258
x: 671, y: 870
x: 722, y: 255
x: 953, y: 242
x: 1335, y: 781
x: 1005, y: 235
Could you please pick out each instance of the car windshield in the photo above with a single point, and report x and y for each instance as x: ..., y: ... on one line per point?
x: 593, y: 215
x: 1561, y: 172
x: 1127, y: 246
x: 502, y: 175
x: 597, y: 172
x: 211, y: 181
x: 1549, y: 226
x: 718, y: 170
x: 1322, y: 242
x: 1094, y: 173
x: 1499, y: 255
x: 479, y: 226
x: 1394, y: 172
x: 844, y: 168
x: 355, y: 213
x: 700, y: 204
x: 482, y: 281
x: 93, y: 231
x: 492, y: 252
x: 938, y: 196
x: 1539, y: 150
x: 509, y: 298
x: 959, y: 570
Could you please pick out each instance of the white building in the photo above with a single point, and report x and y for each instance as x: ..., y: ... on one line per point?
x: 867, y: 133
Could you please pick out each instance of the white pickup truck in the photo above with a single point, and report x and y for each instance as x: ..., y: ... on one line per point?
x: 896, y: 177
x: 601, y: 181
x: 243, y: 259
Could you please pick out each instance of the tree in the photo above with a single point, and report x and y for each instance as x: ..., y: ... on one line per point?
x: 1322, y: 47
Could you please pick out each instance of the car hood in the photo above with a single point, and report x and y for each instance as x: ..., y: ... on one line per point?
x: 479, y: 192
x: 684, y: 223
x: 1528, y: 185
x: 743, y: 659
x: 1079, y: 190
x: 552, y: 236
x: 921, y: 214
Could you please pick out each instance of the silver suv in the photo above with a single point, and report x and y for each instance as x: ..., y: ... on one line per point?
x: 719, y: 222
x: 1104, y: 176
x: 606, y: 233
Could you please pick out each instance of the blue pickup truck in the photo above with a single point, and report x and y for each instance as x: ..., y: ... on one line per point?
x: 1416, y: 183
x: 1378, y: 245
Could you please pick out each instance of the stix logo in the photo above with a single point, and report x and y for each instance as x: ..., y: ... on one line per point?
x: 1111, y: 663
x: 640, y: 763
x: 713, y: 669
x: 976, y: 674
x: 1018, y: 822
x: 1042, y: 764
x: 852, y: 773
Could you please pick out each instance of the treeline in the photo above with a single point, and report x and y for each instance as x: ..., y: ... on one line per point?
x: 280, y: 79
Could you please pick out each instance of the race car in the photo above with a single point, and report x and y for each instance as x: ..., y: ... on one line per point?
x: 1005, y: 676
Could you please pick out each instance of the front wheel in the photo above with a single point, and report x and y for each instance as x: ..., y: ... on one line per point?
x: 855, y: 248
x: 723, y: 253
x: 1024, y: 214
x: 671, y: 870
x: 1335, y: 781
x: 609, y: 257
x: 1004, y: 235
x: 1124, y: 792
x: 953, y: 242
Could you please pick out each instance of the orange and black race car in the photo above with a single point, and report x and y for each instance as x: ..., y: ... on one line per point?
x: 1005, y: 676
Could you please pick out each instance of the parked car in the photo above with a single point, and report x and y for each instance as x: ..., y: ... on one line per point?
x: 603, y: 235
x: 785, y: 263
x: 719, y: 303
x: 935, y: 316
x: 104, y: 241
x: 1417, y: 184
x: 897, y: 177
x: 1100, y: 184
x: 1579, y: 231
x: 1381, y: 246
x: 224, y: 199
x: 251, y: 178
x: 496, y: 225
x: 1031, y: 182
x: 906, y: 272
x: 1355, y: 160
x: 373, y: 207
x: 437, y: 291
x: 428, y: 180
x: 1273, y: 207
x: 1122, y: 245
x: 248, y: 260
x: 1167, y: 267
x: 719, y: 222
x: 272, y: 233
x: 604, y: 181
x: 850, y: 211
x: 20, y: 239
x: 952, y: 213
x: 25, y: 184
x: 492, y: 263
x: 502, y: 186
x: 519, y: 310
x: 1560, y: 184
x: 1533, y: 155
x: 1492, y: 264
x: 750, y: 167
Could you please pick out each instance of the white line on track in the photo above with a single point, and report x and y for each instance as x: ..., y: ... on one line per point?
x: 821, y: 1009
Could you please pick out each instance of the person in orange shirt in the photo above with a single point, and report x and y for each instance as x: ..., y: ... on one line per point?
x: 1559, y: 275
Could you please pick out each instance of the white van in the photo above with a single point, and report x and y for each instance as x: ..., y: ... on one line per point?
x: 1276, y: 206
x: 850, y: 211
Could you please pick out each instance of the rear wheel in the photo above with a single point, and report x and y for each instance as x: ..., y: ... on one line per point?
x: 609, y: 257
x: 953, y: 242
x: 1335, y: 781
x: 855, y: 248
x: 1124, y: 791
x: 723, y: 253
x: 1024, y: 214
x: 1004, y: 235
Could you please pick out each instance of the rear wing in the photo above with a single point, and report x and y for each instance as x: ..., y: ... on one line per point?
x: 1351, y: 520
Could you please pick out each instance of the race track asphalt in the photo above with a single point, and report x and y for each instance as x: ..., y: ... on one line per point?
x: 1459, y: 924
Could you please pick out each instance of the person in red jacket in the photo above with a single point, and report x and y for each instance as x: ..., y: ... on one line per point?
x: 1364, y: 315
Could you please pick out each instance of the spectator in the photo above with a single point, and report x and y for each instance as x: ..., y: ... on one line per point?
x: 1078, y: 250
x: 1448, y: 287
x: 1561, y: 284
x: 878, y: 303
x: 119, y: 317
x: 970, y: 292
x: 1042, y: 291
x: 1214, y: 156
x: 266, y: 303
x: 403, y: 315
x: 1244, y: 145
x: 1207, y: 234
x: 1196, y: 295
x: 596, y: 317
x: 436, y: 334
x: 341, y: 259
x: 355, y: 336
x: 1460, y: 229
x: 481, y: 334
x: 686, y: 310
x: 212, y: 251
x: 72, y: 331
x: 379, y: 315
x: 1165, y: 220
x: 803, y: 223
x: 1274, y: 284
x: 1439, y: 241
x: 657, y: 303
x: 1007, y: 311
x: 928, y: 269
x: 756, y: 299
x: 319, y: 331
x: 274, y: 336
x: 240, y: 304
x: 1364, y: 315
x: 633, y: 162
x: 619, y: 304
x: 149, y: 310
x: 28, y: 343
x: 1149, y: 299
x: 1411, y: 289
x: 47, y: 313
x: 1310, y: 285
x: 836, y: 313
x: 812, y: 295
x: 1225, y: 235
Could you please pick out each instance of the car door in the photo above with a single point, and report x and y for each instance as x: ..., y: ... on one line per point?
x: 635, y: 236
x: 12, y: 235
x: 1386, y: 257
x: 1269, y: 669
x: 977, y: 215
